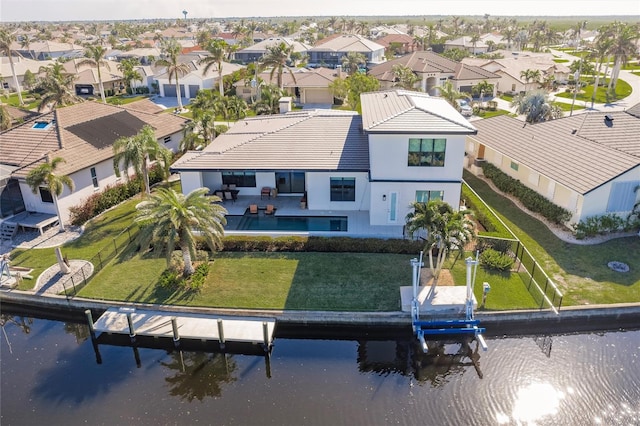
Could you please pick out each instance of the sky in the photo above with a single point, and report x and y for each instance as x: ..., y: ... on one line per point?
x: 105, y: 10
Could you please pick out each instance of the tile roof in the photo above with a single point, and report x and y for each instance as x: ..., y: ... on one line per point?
x: 318, y: 77
x: 347, y: 43
x: 82, y: 134
x: 301, y: 140
x: 428, y: 62
x: 262, y: 46
x: 596, y: 153
x: 404, y: 111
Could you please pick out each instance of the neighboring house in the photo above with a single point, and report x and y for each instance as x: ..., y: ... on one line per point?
x: 46, y: 50
x: 405, y: 147
x: 21, y: 65
x: 256, y: 52
x: 83, y: 135
x: 87, y: 82
x: 398, y: 44
x: 433, y: 71
x: 330, y: 51
x: 464, y: 43
x: 588, y: 163
x: 311, y: 86
x: 193, y: 81
x: 146, y: 55
x: 510, y: 69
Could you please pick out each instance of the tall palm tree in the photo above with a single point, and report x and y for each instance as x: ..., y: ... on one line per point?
x: 352, y: 61
x: 446, y: 230
x: 45, y: 175
x: 622, y: 48
x: 94, y: 57
x: 56, y: 87
x: 277, y: 57
x: 451, y: 94
x: 129, y: 73
x: 171, y: 50
x: 136, y: 151
x: 530, y: 75
x: 173, y: 219
x: 602, y: 46
x: 5, y: 48
x: 217, y: 53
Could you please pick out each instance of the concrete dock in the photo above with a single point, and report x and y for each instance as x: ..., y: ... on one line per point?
x: 189, y: 326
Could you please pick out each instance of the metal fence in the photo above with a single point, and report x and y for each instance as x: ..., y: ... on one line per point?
x: 101, y: 259
x: 540, y: 286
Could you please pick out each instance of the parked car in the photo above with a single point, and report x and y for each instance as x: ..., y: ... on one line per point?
x: 465, y: 108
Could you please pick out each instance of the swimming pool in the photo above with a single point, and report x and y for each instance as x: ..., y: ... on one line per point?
x: 261, y: 222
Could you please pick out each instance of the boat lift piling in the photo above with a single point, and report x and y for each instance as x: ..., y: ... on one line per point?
x: 468, y: 325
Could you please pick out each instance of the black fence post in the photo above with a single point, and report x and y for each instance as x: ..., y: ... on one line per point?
x: 100, y: 260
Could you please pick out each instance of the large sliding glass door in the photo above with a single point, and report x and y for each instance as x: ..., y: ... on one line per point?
x: 290, y: 182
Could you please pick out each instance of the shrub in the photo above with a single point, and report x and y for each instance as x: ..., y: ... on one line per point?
x: 594, y: 225
x: 493, y: 259
x: 499, y: 245
x: 101, y: 201
x: 530, y: 198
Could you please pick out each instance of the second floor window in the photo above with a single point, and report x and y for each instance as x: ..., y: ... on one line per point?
x: 427, y: 152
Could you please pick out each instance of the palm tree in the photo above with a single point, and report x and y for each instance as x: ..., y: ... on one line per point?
x: 530, y: 75
x: 446, y: 230
x: 474, y: 41
x: 5, y: 117
x: 129, y: 73
x: 404, y: 76
x: 352, y: 61
x: 56, y: 87
x: 277, y: 57
x: 95, y: 58
x: 602, y: 46
x: 173, y: 218
x: 535, y: 104
x: 5, y: 48
x: 171, y: 50
x: 217, y: 53
x: 622, y: 48
x: 136, y: 151
x: 451, y: 94
x: 45, y: 175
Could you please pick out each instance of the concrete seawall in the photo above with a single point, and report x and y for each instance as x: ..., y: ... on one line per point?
x: 570, y: 319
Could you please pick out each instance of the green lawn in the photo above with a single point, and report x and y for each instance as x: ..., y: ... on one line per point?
x: 567, y: 107
x: 489, y: 114
x: 580, y: 271
x: 13, y: 100
x: 297, y: 281
x: 123, y: 100
x: 631, y: 66
x: 623, y: 89
x: 560, y: 61
x: 508, y: 98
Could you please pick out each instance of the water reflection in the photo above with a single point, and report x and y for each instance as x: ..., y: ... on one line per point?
x: 443, y: 360
x: 535, y: 402
x: 199, y: 375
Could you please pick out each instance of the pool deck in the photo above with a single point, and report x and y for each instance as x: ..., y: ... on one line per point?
x: 358, y: 221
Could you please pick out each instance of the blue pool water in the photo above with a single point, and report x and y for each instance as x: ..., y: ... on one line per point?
x: 261, y: 222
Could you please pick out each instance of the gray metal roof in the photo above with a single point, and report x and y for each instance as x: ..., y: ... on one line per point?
x: 582, y: 161
x: 300, y: 140
x: 402, y: 111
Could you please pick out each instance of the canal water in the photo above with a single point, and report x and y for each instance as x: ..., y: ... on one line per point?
x: 50, y: 375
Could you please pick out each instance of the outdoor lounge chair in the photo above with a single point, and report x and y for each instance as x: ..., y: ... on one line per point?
x: 229, y: 196
x: 270, y: 209
x: 219, y: 194
x: 253, y: 209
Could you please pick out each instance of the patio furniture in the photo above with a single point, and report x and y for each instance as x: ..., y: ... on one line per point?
x: 270, y: 209
x: 232, y: 186
x: 225, y: 186
x: 265, y: 191
x: 228, y: 195
x: 219, y: 194
x: 253, y: 209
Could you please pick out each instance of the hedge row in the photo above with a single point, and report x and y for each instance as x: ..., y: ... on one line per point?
x: 240, y: 243
x: 530, y: 198
x: 488, y: 220
x: 111, y: 196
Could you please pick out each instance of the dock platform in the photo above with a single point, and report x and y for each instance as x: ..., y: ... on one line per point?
x: 188, y: 326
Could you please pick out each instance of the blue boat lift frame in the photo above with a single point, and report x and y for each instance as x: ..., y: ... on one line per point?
x: 465, y: 326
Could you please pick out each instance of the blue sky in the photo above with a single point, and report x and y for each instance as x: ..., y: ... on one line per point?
x: 67, y: 10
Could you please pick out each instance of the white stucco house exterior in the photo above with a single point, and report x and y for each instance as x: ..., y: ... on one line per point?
x: 588, y: 164
x: 83, y: 135
x: 195, y: 80
x: 406, y: 146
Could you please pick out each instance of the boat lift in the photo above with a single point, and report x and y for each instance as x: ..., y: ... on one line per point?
x: 466, y: 326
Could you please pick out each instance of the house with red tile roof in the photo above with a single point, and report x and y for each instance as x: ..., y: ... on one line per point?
x: 83, y: 135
